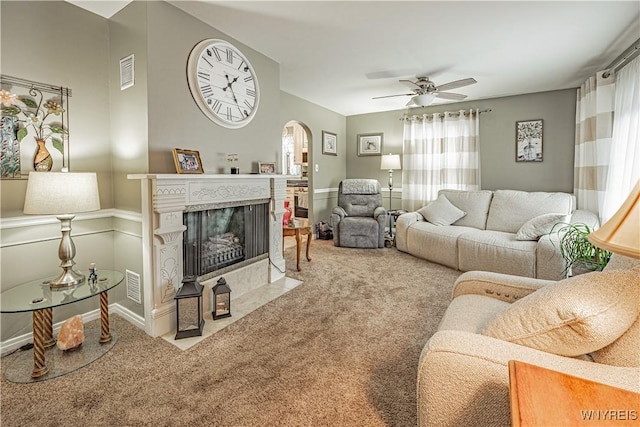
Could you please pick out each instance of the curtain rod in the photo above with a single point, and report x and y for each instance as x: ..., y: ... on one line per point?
x: 455, y: 113
x: 622, y: 60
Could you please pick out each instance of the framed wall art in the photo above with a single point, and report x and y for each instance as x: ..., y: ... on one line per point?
x: 29, y: 145
x: 266, y: 168
x: 329, y: 143
x: 529, y: 141
x: 370, y: 144
x: 187, y: 161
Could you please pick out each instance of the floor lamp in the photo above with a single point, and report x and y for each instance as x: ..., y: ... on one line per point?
x: 63, y: 194
x: 390, y: 162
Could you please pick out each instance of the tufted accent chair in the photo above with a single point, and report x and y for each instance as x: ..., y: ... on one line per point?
x: 359, y: 219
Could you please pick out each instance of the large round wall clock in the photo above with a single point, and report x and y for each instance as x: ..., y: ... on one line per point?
x: 223, y: 83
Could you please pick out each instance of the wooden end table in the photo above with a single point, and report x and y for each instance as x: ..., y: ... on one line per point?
x: 542, y: 397
x: 298, y: 228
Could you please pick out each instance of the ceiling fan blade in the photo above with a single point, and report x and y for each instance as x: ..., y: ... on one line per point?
x: 410, y: 83
x: 391, y: 96
x: 457, y: 84
x: 451, y: 95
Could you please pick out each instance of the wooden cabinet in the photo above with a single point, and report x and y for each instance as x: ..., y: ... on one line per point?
x: 300, y: 144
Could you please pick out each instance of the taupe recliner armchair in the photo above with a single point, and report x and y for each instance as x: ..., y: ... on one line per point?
x: 359, y: 219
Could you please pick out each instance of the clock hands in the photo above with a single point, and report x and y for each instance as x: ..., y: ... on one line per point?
x: 230, y: 87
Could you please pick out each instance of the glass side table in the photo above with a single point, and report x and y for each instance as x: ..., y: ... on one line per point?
x: 39, y: 299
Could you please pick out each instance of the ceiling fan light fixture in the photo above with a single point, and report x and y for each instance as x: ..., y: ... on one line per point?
x: 424, y: 99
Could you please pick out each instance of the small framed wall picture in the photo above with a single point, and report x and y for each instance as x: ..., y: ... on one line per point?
x: 187, y: 161
x: 529, y: 141
x: 266, y: 168
x: 370, y: 144
x: 329, y: 143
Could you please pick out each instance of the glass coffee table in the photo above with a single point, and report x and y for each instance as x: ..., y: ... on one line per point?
x: 39, y: 299
x: 298, y: 228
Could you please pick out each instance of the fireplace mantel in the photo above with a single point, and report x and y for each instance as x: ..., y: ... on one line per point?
x: 165, y: 197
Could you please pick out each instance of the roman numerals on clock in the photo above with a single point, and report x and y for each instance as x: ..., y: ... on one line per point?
x: 223, y: 83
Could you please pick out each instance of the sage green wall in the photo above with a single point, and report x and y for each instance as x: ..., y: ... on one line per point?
x: 58, y: 43
x: 331, y: 169
x: 129, y: 133
x: 497, y: 141
x: 128, y: 108
x: 174, y: 118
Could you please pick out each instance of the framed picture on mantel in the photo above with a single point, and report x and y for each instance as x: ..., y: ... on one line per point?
x: 187, y: 161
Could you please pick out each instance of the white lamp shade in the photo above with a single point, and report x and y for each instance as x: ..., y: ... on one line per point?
x: 390, y: 161
x: 424, y: 100
x: 621, y: 234
x: 59, y: 193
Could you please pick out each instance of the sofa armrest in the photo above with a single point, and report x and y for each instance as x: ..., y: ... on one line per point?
x: 339, y: 212
x: 463, y: 378
x: 504, y: 287
x: 549, y: 262
x: 585, y: 217
x: 403, y: 223
x: 378, y: 212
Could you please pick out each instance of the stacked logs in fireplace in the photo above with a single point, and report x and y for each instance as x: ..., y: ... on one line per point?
x: 217, y: 238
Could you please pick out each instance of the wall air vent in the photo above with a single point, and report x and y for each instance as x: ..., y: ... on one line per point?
x: 127, y: 72
x: 133, y: 286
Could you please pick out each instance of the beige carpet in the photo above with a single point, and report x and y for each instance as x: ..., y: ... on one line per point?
x: 339, y: 350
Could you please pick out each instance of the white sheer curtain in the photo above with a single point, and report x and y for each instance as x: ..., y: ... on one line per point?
x: 624, y: 156
x: 439, y: 151
x: 594, y: 121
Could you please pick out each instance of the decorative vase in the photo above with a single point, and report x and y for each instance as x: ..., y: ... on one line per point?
x: 288, y: 212
x: 42, y: 161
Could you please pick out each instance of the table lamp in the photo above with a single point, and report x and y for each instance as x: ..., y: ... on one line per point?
x: 391, y: 162
x: 63, y: 194
x: 621, y: 233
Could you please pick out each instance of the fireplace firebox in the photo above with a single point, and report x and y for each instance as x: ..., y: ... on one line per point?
x: 224, y: 236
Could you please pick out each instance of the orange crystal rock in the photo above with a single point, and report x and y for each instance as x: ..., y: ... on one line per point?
x: 71, y: 333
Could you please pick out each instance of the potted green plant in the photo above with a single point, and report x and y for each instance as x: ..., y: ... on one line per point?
x: 579, y: 254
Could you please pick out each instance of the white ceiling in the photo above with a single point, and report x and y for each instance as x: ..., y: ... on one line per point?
x: 340, y: 54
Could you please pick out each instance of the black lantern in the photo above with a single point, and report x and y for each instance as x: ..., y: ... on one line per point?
x: 221, y: 300
x: 189, y: 308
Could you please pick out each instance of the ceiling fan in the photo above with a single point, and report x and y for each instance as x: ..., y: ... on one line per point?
x: 425, y: 91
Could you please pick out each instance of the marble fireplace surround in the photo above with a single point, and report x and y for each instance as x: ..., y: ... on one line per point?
x: 164, y: 199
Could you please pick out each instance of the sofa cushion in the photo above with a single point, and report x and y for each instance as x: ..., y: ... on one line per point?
x: 441, y: 212
x: 625, y: 351
x: 539, y: 226
x: 574, y: 316
x: 360, y: 186
x: 497, y: 251
x: 358, y: 232
x: 510, y: 209
x: 435, y: 243
x: 474, y: 203
x: 471, y: 313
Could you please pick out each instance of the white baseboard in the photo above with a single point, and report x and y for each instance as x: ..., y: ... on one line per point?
x: 16, y: 342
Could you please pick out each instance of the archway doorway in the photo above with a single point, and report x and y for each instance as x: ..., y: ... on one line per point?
x: 296, y: 158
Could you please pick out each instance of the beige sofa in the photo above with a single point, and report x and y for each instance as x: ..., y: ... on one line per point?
x: 489, y: 236
x: 463, y: 376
